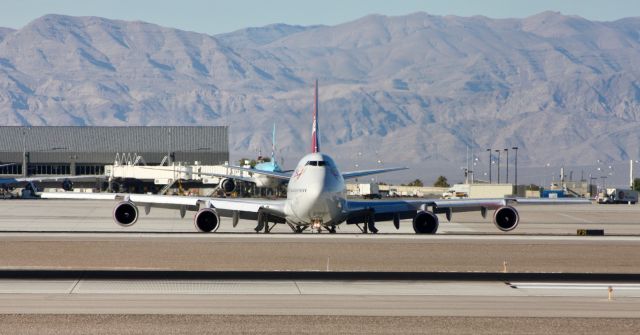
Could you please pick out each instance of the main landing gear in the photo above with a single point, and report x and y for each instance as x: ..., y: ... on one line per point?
x: 297, y: 229
x: 368, y: 226
x: 263, y: 223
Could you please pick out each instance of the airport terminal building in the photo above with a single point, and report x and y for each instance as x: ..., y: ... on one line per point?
x: 45, y: 151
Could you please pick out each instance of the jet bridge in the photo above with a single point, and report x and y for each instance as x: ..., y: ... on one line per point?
x: 160, y: 178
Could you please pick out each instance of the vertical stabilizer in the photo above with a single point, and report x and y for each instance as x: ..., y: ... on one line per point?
x: 273, y: 144
x: 272, y: 165
x: 315, y: 143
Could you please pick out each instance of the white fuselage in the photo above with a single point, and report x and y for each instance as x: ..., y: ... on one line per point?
x: 265, y: 181
x: 316, y: 192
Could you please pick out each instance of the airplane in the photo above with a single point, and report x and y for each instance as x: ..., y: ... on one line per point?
x: 227, y: 181
x: 261, y: 180
x: 65, y: 182
x: 272, y: 165
x: 316, y: 199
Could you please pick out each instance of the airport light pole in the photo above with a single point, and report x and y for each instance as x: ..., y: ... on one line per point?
x: 507, y: 151
x: 498, y: 151
x: 25, y: 156
x: 24, y: 153
x: 356, y: 166
x: 516, y: 176
x: 489, y: 151
x: 473, y: 173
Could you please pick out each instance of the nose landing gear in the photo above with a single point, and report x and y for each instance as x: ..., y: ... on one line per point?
x: 316, y: 224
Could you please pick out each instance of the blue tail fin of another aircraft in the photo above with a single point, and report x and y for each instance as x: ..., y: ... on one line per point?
x: 271, y: 166
x: 273, y: 144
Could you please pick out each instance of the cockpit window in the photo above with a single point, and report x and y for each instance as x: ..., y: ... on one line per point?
x: 316, y: 163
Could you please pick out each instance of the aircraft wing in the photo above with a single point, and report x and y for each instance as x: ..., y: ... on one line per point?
x: 356, y: 174
x: 225, y: 206
x: 383, y: 208
x: 209, y: 174
x: 548, y: 201
x: 278, y: 175
x: 5, y: 181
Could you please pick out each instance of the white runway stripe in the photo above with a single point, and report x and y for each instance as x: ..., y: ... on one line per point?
x: 576, y: 286
x: 576, y: 218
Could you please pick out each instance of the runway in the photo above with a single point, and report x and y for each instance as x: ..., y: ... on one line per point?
x: 84, y: 304
x: 309, y: 297
x: 468, y: 278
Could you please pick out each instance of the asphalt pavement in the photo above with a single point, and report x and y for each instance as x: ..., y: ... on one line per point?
x: 214, y: 282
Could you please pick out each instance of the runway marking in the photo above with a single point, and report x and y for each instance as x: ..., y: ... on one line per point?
x: 254, y: 287
x: 297, y: 287
x: 575, y: 286
x: 597, y: 290
x: 72, y: 291
x: 576, y: 218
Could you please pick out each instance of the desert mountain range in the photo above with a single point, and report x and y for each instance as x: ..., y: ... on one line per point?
x: 413, y: 90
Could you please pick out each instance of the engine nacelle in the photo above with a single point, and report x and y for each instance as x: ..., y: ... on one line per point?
x: 125, y: 213
x: 425, y: 223
x: 207, y: 220
x: 67, y: 185
x: 506, y: 218
x: 228, y: 185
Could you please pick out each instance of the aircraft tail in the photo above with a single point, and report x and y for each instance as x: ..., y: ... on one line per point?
x: 315, y: 143
x: 273, y: 144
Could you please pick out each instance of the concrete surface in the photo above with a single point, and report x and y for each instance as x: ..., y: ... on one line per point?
x: 44, y: 235
x: 354, y: 298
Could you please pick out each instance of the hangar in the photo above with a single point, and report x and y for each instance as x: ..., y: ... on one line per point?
x: 77, y: 150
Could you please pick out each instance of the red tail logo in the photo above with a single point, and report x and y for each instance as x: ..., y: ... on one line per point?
x: 315, y: 144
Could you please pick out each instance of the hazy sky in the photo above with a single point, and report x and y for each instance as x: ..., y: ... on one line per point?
x: 216, y: 16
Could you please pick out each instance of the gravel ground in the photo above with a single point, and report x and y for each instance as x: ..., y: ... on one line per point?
x: 296, y: 324
x: 219, y: 253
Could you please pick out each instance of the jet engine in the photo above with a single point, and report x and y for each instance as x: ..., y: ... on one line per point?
x: 425, y: 223
x: 506, y: 218
x: 207, y: 220
x: 228, y: 185
x: 125, y: 213
x: 67, y: 185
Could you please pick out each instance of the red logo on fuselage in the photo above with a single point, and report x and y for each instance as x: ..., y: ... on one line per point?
x: 298, y: 173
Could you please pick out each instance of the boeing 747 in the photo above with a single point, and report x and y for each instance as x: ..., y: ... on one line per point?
x: 316, y: 199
